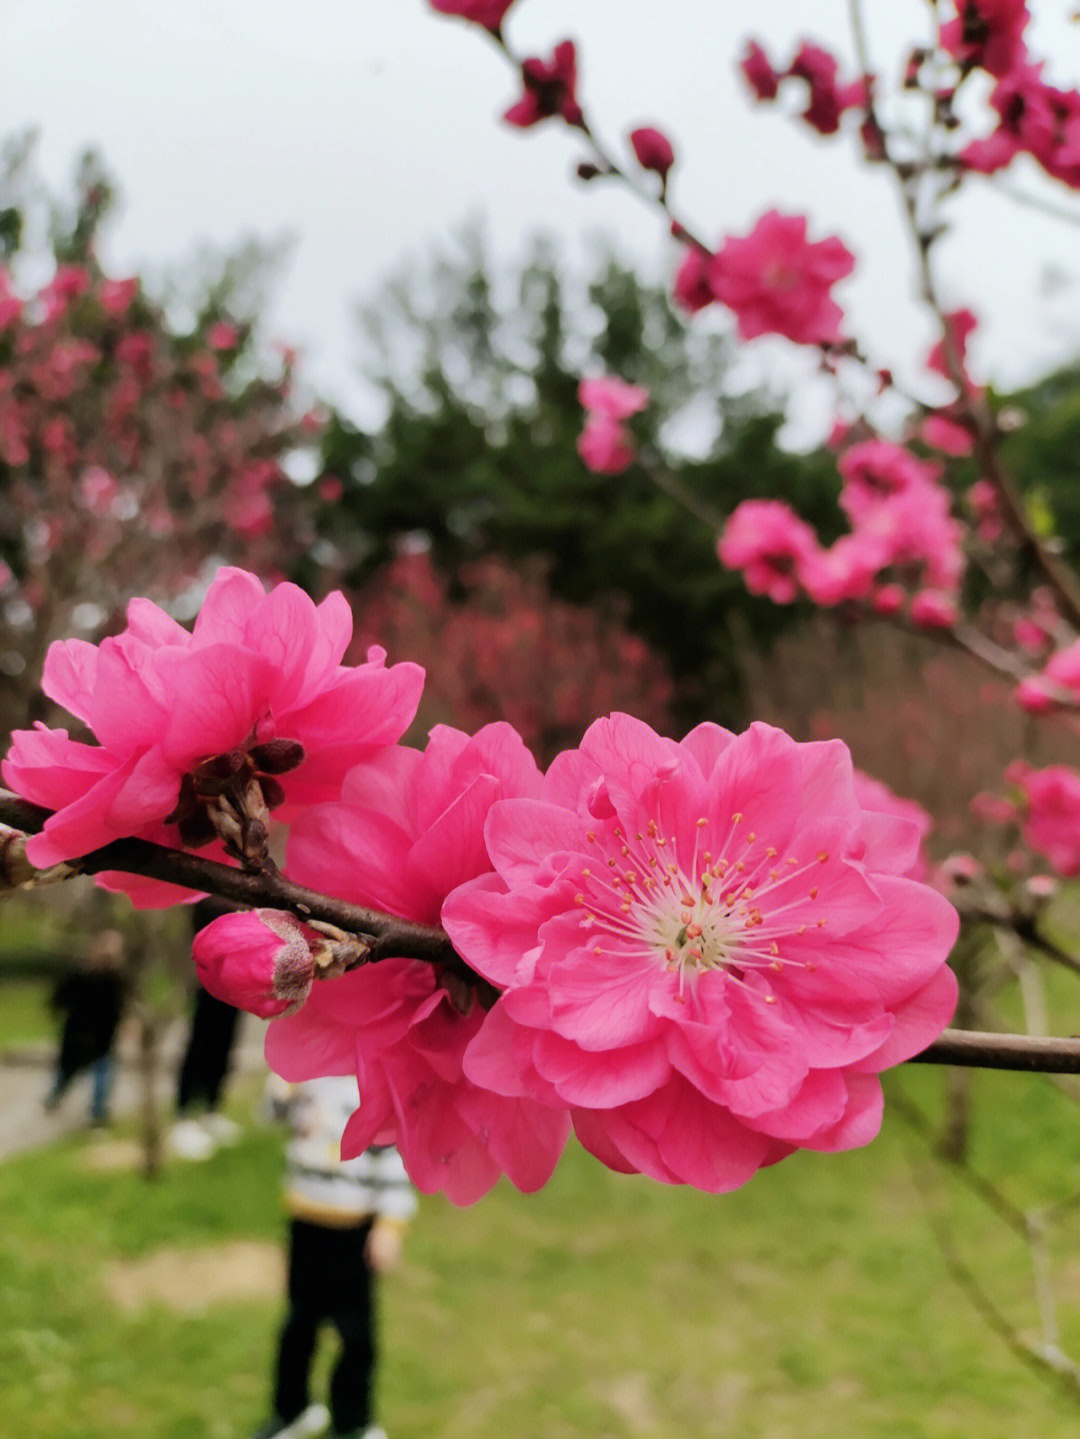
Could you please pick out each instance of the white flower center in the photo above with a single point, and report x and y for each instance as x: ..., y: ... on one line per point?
x: 706, y: 911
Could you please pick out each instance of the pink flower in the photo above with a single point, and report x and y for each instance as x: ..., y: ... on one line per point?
x: 117, y: 296
x: 941, y: 432
x: 771, y: 545
x: 549, y: 89
x: 759, y: 73
x: 409, y: 829
x: 845, y: 571
x: 1059, y: 683
x: 987, y: 33
x: 488, y: 13
x: 653, y: 150
x: 828, y: 98
x: 959, y: 326
x: 777, y: 282
x: 611, y: 397
x: 693, y: 287
x: 707, y: 950
x: 875, y: 797
x: 876, y: 471
x: 222, y: 336
x: 606, y: 445
x: 11, y: 306
x: 934, y: 610
x: 1052, y: 826
x: 259, y: 960
x: 255, y: 691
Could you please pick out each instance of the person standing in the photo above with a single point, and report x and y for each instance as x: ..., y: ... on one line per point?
x: 91, y: 1001
x: 347, y: 1221
x: 199, y: 1126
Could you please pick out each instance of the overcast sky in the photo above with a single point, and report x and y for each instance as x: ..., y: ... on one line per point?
x: 368, y: 130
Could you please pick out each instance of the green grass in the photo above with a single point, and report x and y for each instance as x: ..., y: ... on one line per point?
x: 812, y: 1302
x: 25, y: 1017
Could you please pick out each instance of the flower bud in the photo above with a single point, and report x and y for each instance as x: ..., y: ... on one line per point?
x: 652, y: 149
x: 259, y: 960
x: 277, y: 756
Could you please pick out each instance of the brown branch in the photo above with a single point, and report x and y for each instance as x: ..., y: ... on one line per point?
x: 979, y: 1050
x: 389, y: 936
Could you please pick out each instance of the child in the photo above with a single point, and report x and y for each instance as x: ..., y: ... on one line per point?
x: 346, y: 1225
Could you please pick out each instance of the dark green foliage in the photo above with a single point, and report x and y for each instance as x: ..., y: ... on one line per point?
x: 1044, y: 455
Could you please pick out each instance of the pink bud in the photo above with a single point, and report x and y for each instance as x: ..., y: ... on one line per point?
x: 259, y: 960
x: 934, y: 610
x: 653, y: 150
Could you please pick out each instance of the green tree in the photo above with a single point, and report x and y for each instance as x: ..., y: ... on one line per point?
x: 477, y: 454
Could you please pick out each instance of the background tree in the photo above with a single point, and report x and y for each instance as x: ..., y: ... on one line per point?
x: 136, y: 448
x: 477, y: 455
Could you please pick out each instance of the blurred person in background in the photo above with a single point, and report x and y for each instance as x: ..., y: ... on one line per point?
x: 91, y: 1000
x: 200, y: 1126
x: 347, y: 1221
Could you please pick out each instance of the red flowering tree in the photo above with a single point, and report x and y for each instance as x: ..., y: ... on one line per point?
x: 131, y: 449
x: 502, y: 648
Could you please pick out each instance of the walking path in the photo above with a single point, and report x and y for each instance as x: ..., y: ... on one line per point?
x: 25, y: 1075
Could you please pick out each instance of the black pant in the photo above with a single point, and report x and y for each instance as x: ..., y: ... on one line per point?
x: 329, y: 1279
x: 206, y: 1058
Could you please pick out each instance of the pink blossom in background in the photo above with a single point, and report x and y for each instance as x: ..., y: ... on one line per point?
x: 941, y: 432
x: 258, y: 959
x: 768, y: 541
x: 693, y: 286
x: 828, y: 98
x: 611, y: 397
x: 652, y: 149
x: 488, y: 13
x: 117, y: 296
x: 409, y: 829
x: 759, y: 73
x: 1057, y: 685
x: 875, y: 797
x: 164, y: 704
x: 11, y: 306
x: 550, y: 89
x: 987, y: 33
x: 960, y: 324
x: 1052, y: 822
x: 902, y: 514
x: 707, y: 950
x: 222, y: 336
x: 605, y: 445
x: 934, y: 610
x: 844, y: 571
x: 875, y: 471
x: 775, y: 281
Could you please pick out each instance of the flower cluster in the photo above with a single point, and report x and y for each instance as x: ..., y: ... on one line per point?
x: 200, y: 734
x: 774, y: 280
x: 699, y: 955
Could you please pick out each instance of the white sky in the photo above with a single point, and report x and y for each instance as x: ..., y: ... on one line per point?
x: 368, y: 129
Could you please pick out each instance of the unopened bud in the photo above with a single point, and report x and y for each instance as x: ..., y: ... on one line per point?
x: 259, y: 960
x: 273, y: 792
x: 277, y: 756
x: 213, y: 774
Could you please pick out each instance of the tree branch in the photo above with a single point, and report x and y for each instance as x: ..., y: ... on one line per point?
x: 391, y: 937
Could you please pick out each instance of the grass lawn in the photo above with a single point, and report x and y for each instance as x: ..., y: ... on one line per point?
x: 812, y: 1303
x: 25, y: 1016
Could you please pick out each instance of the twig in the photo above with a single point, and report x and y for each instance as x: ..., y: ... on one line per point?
x: 389, y: 936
